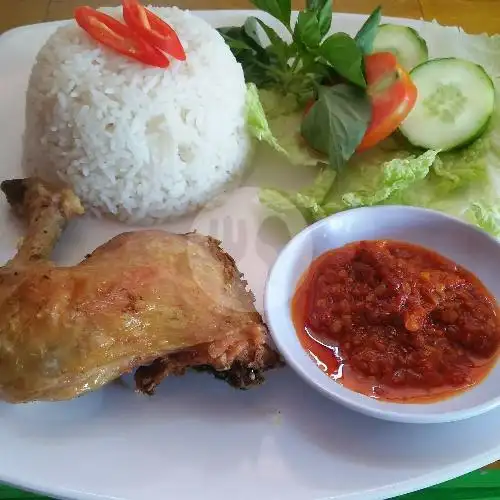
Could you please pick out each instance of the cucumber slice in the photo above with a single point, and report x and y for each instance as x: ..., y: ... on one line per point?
x: 456, y: 99
x: 405, y: 43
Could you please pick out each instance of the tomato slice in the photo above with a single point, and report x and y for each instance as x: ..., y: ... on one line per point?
x: 393, y: 96
x: 392, y: 93
x: 117, y: 36
x: 152, y: 29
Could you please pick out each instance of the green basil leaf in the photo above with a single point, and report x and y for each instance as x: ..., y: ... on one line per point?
x: 256, y: 74
x: 323, y: 10
x: 254, y: 59
x: 238, y: 39
x: 337, y: 122
x: 250, y: 29
x: 344, y: 56
x: 233, y: 37
x: 277, y: 44
x: 274, y: 38
x: 366, y: 35
x: 307, y: 29
x: 280, y: 9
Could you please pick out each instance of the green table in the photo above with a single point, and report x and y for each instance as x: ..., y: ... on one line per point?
x: 480, y: 485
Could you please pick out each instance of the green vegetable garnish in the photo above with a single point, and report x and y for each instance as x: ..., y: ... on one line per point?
x: 343, y: 54
x: 337, y: 122
x: 256, y: 119
x: 310, y: 58
x: 464, y: 182
x: 304, y: 67
x: 366, y: 35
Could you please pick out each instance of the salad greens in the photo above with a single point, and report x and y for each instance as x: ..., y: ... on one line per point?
x: 464, y: 182
x: 299, y: 66
x: 365, y: 185
x: 368, y: 32
x: 332, y: 123
x: 256, y: 119
x: 312, y: 64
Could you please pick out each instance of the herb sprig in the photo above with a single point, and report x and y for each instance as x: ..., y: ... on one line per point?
x: 315, y: 64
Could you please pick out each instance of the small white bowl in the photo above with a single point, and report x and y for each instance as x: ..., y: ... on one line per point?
x: 466, y: 245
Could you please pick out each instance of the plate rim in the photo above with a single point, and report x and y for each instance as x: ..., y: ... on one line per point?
x: 379, y: 493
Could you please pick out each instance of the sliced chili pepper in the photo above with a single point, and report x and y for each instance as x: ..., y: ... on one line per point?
x: 118, y: 37
x: 152, y: 29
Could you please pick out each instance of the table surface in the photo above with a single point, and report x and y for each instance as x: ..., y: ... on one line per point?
x: 475, y: 16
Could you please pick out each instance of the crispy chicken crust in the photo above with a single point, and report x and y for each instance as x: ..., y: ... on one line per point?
x: 151, y: 300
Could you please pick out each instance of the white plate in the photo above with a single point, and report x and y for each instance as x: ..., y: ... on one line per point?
x: 198, y: 438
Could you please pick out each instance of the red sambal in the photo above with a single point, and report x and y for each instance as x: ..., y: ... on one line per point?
x: 401, y: 322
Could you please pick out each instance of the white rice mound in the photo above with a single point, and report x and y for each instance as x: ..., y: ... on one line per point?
x: 139, y: 143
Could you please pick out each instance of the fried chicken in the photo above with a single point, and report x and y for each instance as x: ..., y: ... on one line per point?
x: 143, y: 298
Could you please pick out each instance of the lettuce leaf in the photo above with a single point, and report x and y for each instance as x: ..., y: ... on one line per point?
x: 364, y: 186
x: 285, y: 117
x: 373, y: 186
x: 257, y: 123
x: 486, y: 216
x: 307, y: 202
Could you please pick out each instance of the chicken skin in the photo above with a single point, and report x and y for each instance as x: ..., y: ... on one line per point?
x: 143, y: 298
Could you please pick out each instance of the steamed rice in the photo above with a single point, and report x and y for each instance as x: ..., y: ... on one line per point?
x: 141, y: 143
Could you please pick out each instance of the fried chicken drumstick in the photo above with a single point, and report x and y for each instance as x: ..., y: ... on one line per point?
x: 143, y: 298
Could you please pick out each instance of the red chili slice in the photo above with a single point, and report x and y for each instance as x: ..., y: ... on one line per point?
x: 152, y: 29
x: 118, y: 37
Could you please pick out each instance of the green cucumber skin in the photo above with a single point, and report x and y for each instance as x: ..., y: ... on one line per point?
x: 463, y: 144
x: 480, y: 132
x: 421, y: 40
x: 444, y: 59
x: 424, y: 49
x: 422, y: 43
x: 481, y: 128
